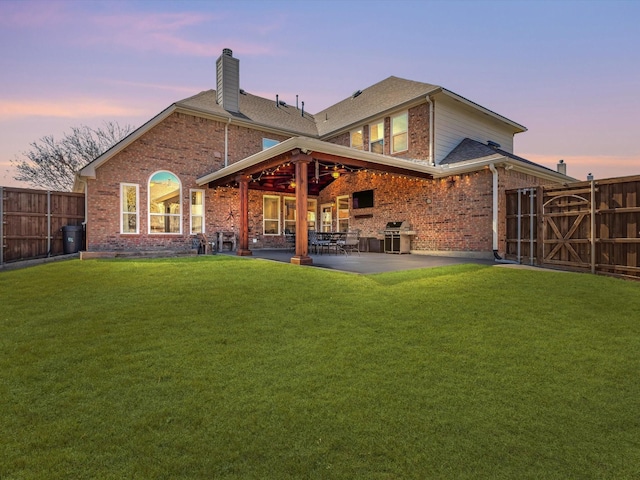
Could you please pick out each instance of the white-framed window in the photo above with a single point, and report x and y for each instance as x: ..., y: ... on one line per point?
x: 289, y: 215
x: 196, y: 216
x: 342, y: 208
x: 312, y: 208
x: 400, y: 133
x: 165, y: 205
x: 376, y: 137
x: 357, y: 139
x: 326, y: 218
x: 271, y: 215
x: 129, y: 211
x: 267, y: 142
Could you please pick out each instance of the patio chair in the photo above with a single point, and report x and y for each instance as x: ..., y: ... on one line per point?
x: 350, y: 243
x: 312, y: 240
x: 323, y: 240
x: 290, y: 239
x: 199, y: 242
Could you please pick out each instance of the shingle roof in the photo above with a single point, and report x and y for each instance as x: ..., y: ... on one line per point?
x: 469, y: 149
x: 258, y: 110
x: 371, y: 101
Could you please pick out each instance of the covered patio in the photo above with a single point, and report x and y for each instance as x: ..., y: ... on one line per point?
x: 302, y: 167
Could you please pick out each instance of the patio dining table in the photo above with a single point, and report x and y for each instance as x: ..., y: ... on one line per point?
x: 329, y: 240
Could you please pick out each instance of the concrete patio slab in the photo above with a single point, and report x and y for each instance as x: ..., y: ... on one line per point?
x: 366, y: 262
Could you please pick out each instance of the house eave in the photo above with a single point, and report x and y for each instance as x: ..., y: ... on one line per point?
x: 501, y: 161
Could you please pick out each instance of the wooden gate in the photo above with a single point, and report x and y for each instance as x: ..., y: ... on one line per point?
x: 586, y: 226
x: 568, y: 227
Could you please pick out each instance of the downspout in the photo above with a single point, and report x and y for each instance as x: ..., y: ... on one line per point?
x: 226, y: 143
x: 86, y: 209
x: 431, y: 131
x: 494, y: 222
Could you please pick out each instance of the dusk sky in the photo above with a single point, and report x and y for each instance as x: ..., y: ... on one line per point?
x: 567, y: 70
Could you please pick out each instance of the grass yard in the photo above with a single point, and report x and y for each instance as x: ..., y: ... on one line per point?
x: 212, y: 367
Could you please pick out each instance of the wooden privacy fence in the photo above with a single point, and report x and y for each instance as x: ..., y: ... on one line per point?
x: 31, y: 222
x: 587, y: 226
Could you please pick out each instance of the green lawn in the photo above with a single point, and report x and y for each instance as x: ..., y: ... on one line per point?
x: 234, y: 368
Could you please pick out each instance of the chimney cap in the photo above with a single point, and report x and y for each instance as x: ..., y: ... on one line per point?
x: 227, y: 51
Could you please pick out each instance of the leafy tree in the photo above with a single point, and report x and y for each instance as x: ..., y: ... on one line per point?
x: 52, y: 164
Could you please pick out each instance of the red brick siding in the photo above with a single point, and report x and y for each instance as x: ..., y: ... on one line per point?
x: 187, y: 146
x: 453, y: 214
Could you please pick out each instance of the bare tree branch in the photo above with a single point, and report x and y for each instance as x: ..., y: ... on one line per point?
x: 52, y: 164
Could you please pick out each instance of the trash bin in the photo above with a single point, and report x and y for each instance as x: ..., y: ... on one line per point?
x: 71, y: 238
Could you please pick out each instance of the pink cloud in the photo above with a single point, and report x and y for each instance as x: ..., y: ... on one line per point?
x: 165, y: 32
x: 76, y: 108
x: 32, y: 14
x: 601, y: 166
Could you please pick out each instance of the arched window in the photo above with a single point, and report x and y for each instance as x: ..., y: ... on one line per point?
x: 165, y: 205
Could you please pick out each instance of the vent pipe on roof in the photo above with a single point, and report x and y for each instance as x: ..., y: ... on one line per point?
x: 562, y: 167
x: 296, y: 102
x: 277, y: 101
x: 228, y: 81
x: 302, y: 109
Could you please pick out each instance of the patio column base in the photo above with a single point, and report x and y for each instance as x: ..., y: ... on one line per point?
x: 301, y: 260
x: 241, y: 252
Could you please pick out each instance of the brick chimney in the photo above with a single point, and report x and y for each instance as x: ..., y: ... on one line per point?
x: 228, y: 81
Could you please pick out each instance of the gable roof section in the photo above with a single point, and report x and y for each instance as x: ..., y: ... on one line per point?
x: 319, y: 149
x: 374, y: 101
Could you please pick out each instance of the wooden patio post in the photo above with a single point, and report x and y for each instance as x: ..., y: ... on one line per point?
x: 243, y: 244
x: 301, y: 163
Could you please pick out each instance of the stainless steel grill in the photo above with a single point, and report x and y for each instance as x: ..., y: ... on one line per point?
x: 397, y: 237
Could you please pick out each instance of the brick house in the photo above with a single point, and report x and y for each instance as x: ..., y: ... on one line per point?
x: 227, y: 160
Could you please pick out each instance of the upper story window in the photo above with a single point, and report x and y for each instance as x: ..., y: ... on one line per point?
x: 165, y: 207
x: 357, y: 139
x: 129, y: 215
x: 399, y: 133
x: 376, y: 137
x: 267, y: 142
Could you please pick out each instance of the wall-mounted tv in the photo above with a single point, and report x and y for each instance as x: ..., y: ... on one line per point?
x: 363, y: 199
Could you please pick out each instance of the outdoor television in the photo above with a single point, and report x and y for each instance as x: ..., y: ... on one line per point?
x: 363, y: 199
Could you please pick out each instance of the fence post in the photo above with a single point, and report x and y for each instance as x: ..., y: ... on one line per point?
x: 532, y: 192
x: 593, y: 227
x: 520, y: 191
x: 1, y: 226
x: 540, y: 222
x: 48, y: 223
